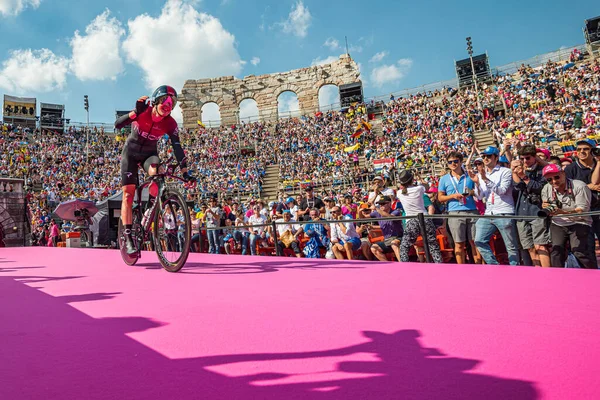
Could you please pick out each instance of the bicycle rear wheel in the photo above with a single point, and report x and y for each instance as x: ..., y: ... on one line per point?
x: 172, y: 231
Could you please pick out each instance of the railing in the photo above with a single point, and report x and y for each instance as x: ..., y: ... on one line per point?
x: 420, y: 217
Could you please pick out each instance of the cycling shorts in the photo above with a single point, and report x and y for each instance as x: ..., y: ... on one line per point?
x: 130, y: 162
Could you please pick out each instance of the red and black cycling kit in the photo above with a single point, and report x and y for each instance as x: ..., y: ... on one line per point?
x: 141, y: 146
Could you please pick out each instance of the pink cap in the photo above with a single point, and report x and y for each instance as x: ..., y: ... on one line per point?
x: 546, y: 152
x: 432, y: 189
x: 551, y: 169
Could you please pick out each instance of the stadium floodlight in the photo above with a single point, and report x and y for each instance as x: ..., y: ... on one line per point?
x: 470, y: 51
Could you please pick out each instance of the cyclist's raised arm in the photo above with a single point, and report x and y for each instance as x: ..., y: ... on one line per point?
x: 125, y: 120
x: 140, y: 107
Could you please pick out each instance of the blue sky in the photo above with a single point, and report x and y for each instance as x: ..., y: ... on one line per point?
x: 125, y: 48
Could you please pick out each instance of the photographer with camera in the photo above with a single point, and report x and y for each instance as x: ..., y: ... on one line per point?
x: 561, y: 197
x: 528, y: 183
x: 586, y: 168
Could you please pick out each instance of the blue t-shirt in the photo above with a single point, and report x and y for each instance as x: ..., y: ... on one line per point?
x: 449, y: 185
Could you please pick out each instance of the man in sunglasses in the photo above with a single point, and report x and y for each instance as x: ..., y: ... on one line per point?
x: 494, y: 184
x: 586, y: 168
x: 528, y: 183
x: 456, y: 189
x: 561, y: 197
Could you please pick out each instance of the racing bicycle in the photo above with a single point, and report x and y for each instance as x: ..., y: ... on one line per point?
x: 164, y: 223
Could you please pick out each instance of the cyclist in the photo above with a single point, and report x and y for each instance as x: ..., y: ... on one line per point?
x: 149, y: 122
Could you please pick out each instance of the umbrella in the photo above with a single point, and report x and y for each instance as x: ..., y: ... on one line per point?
x: 66, y: 210
x: 567, y: 66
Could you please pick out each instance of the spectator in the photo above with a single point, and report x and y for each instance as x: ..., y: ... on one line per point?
x: 392, y: 230
x: 495, y: 185
x: 344, y: 238
x: 564, y: 196
x: 257, y: 233
x: 528, y: 183
x: 587, y: 170
x: 213, y: 220
x: 54, y: 233
x: 318, y: 234
x: 456, y: 189
x: 411, y: 197
x: 288, y: 234
x: 310, y: 202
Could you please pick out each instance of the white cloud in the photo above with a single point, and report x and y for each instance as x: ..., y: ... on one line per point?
x: 180, y: 44
x: 332, y: 43
x: 355, y: 49
x: 15, y: 7
x: 389, y: 74
x: 96, y: 55
x: 319, y: 61
x: 36, y: 71
x: 255, y: 61
x: 298, y: 20
x: 378, y: 56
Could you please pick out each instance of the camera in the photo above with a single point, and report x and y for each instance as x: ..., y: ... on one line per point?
x: 596, y: 152
x: 546, y: 212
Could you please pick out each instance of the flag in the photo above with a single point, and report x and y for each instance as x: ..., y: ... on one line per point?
x: 200, y: 124
x: 352, y: 148
x: 357, y: 134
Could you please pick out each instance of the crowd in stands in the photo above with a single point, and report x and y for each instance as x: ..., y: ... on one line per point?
x: 531, y: 109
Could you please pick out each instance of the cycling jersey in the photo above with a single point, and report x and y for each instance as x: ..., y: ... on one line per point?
x: 141, y: 146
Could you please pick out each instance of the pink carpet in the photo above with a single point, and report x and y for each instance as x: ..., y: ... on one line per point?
x: 80, y: 324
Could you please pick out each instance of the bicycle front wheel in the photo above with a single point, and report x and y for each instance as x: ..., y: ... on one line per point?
x: 172, y: 231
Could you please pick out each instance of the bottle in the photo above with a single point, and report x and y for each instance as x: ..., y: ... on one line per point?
x: 146, y: 216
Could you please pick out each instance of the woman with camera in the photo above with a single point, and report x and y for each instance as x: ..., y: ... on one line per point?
x: 561, y: 197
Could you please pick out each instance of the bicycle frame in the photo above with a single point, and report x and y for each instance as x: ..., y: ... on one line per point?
x: 158, y: 179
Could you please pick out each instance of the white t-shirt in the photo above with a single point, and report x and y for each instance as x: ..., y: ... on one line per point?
x: 289, y: 226
x: 257, y: 220
x: 412, y: 202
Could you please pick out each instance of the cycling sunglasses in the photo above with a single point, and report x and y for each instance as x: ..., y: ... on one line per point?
x: 162, y: 99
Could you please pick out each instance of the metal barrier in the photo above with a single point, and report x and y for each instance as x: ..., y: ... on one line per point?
x: 420, y: 217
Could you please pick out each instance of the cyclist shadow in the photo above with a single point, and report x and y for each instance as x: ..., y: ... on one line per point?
x: 75, y: 353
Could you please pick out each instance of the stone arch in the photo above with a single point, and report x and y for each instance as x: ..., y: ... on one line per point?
x: 327, y: 99
x: 288, y: 106
x: 247, y: 112
x: 228, y: 91
x: 210, y: 121
x: 287, y: 88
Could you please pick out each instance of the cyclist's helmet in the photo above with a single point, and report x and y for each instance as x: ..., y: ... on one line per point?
x: 162, y: 92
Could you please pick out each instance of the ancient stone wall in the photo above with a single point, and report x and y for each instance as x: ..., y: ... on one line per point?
x: 12, y: 212
x: 228, y: 92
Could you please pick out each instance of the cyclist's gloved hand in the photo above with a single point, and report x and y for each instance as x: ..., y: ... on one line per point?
x: 141, y: 105
x: 188, y: 177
